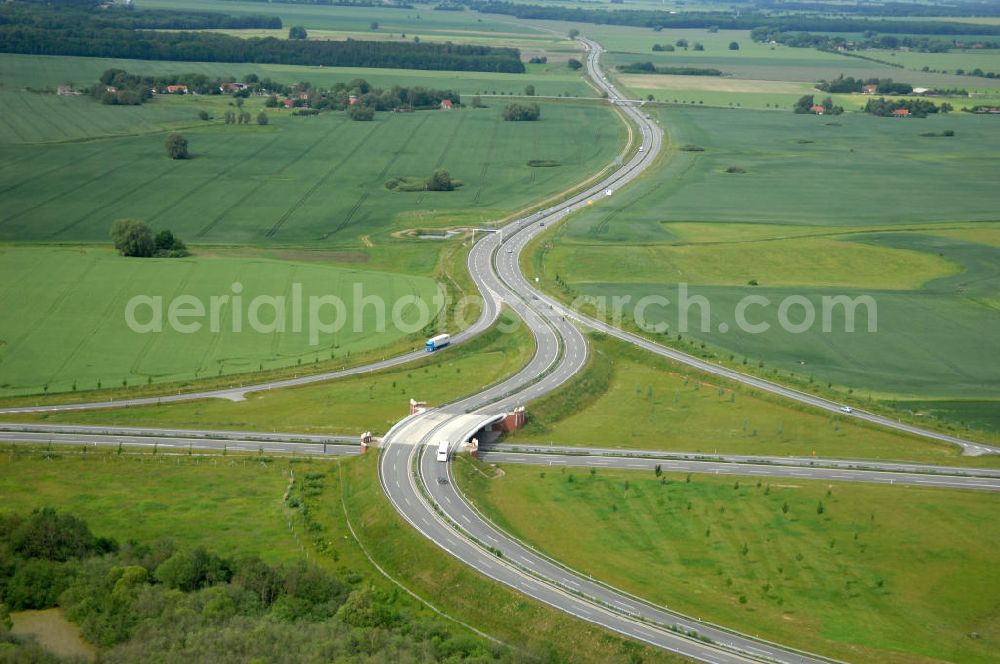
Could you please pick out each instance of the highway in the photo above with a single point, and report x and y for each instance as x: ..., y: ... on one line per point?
x: 421, y: 488
x: 422, y: 491
x: 789, y: 472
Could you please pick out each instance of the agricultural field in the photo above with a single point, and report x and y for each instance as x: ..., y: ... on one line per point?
x: 629, y: 400
x: 757, y: 76
x: 907, y: 236
x: 301, y: 179
x: 347, y: 406
x: 848, y: 570
x: 64, y: 326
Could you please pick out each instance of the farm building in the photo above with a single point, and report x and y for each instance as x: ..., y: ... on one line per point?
x: 177, y: 89
x: 817, y: 109
x: 901, y: 113
x: 446, y: 104
x: 869, y: 89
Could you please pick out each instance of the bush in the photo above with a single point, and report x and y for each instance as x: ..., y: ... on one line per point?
x: 521, y: 112
x: 203, y: 115
x: 262, y: 118
x: 361, y: 113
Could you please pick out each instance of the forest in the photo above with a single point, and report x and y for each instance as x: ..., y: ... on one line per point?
x: 748, y: 20
x: 32, y: 32
x: 134, y: 598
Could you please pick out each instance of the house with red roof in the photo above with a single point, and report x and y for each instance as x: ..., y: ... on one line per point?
x: 817, y: 109
x: 901, y: 113
x: 446, y: 104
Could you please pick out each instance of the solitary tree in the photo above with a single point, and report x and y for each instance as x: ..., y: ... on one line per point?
x: 262, y: 118
x: 574, y: 33
x: 374, y: 25
x: 698, y: 46
x: 734, y: 46
x: 297, y: 32
x: 203, y: 115
x: 574, y: 64
x: 529, y: 90
x: 177, y: 146
x: 132, y: 237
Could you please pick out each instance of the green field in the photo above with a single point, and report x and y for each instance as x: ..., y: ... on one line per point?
x: 301, y: 180
x: 348, y: 406
x: 888, y: 574
x: 626, y: 399
x: 788, y: 224
x: 65, y: 317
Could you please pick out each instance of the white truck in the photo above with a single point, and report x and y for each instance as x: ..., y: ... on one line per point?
x: 442, y: 451
x: 440, y: 341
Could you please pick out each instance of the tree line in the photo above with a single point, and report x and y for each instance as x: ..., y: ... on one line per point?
x: 918, y: 108
x: 650, y: 68
x: 884, y: 86
x: 62, y: 16
x: 870, y: 39
x: 140, y: 600
x: 746, y: 20
x: 366, y: 97
x: 21, y: 33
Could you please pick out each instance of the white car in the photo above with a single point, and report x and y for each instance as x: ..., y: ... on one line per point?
x: 640, y: 148
x: 846, y: 409
x: 608, y: 192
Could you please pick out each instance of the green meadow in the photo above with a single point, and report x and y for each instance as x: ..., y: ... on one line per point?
x: 231, y: 505
x: 627, y: 399
x: 851, y: 205
x: 64, y: 326
x: 889, y: 574
x: 347, y: 406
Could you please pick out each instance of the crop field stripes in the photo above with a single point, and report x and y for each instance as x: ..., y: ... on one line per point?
x: 175, y: 164
x: 43, y: 175
x: 66, y: 116
x: 26, y: 116
x: 115, y: 304
x: 444, y: 152
x: 58, y: 304
x: 487, y: 158
x: 225, y: 323
x: 219, y: 175
x: 12, y: 128
x: 380, y: 177
x: 153, y: 339
x: 320, y: 182
x: 253, y: 190
x: 68, y: 192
